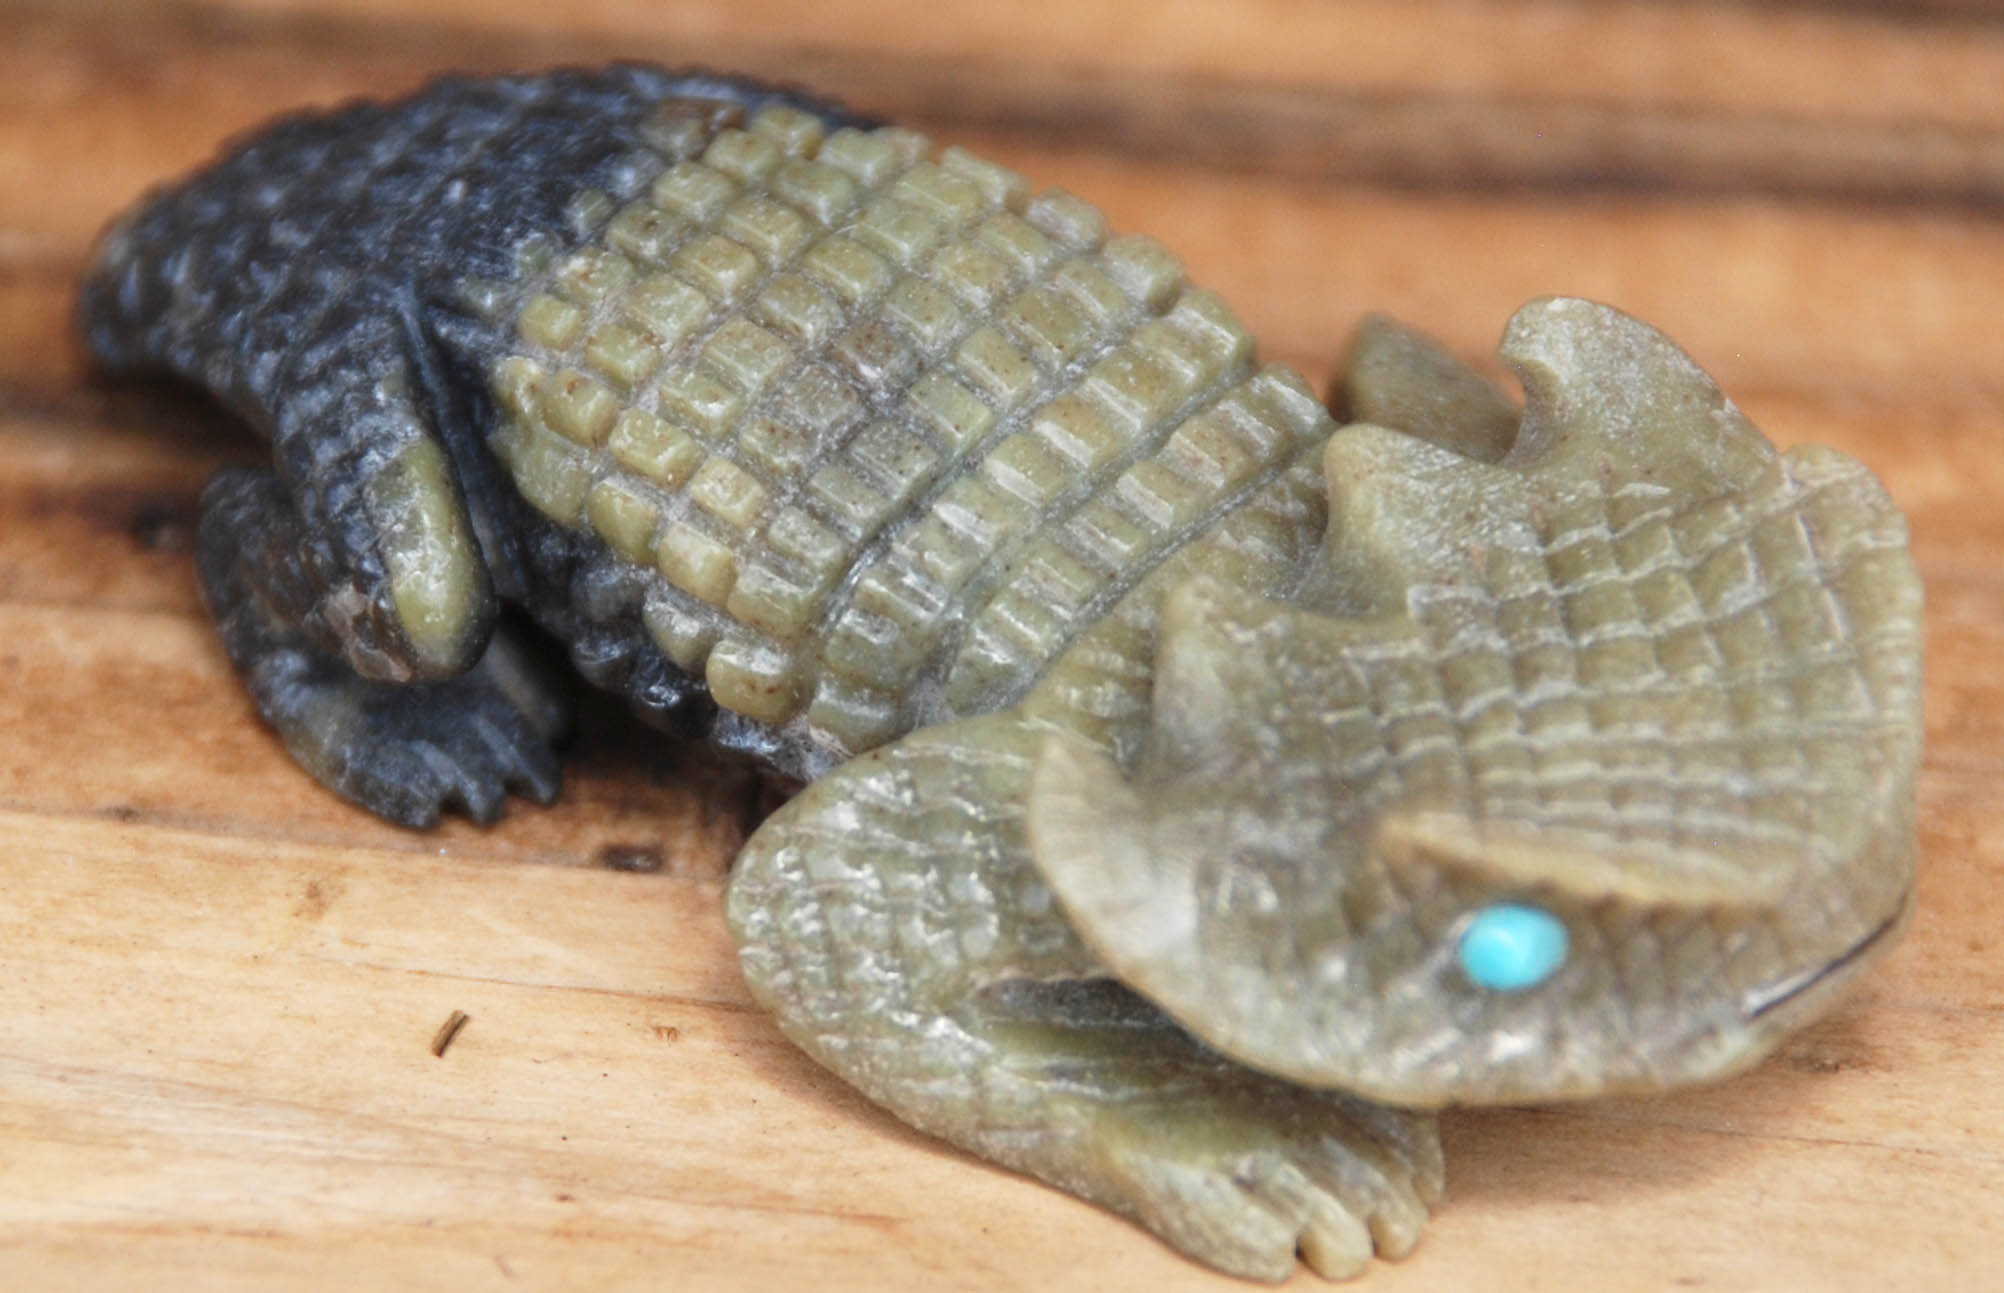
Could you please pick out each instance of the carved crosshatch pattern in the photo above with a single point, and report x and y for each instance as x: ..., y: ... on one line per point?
x: 222, y: 981
x: 773, y: 379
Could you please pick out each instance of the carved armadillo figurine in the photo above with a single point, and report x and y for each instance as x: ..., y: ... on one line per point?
x: 1200, y: 793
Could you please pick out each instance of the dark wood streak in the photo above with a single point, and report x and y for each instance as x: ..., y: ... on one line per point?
x: 1411, y: 140
x: 1488, y: 144
x: 1934, y: 13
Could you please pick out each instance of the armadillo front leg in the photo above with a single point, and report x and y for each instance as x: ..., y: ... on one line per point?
x: 891, y: 918
x: 402, y: 750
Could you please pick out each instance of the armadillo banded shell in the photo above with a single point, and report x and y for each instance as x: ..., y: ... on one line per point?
x: 888, y: 430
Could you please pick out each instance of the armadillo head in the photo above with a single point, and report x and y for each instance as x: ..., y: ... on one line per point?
x: 1586, y: 769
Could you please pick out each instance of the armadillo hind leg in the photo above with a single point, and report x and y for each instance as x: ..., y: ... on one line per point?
x: 402, y: 750
x: 943, y: 982
x: 326, y: 363
x: 345, y: 281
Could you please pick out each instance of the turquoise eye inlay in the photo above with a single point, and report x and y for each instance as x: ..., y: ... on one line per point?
x: 1509, y: 947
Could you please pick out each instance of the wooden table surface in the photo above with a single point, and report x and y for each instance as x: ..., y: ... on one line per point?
x: 219, y: 987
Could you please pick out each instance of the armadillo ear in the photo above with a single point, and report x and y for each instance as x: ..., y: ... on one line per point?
x: 1607, y: 396
x: 1090, y: 839
x: 1404, y: 512
x: 1585, y: 865
x: 1401, y: 377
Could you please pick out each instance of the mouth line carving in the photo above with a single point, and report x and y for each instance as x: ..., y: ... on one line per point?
x: 1776, y: 995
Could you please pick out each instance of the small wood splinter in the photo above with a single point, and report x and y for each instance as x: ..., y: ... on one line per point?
x: 447, y: 1031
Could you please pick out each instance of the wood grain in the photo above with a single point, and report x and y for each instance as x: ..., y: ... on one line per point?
x: 221, y: 987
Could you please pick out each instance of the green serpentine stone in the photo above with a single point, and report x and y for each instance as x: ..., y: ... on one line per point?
x: 1175, y: 740
x: 890, y: 430
x: 1626, y: 666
